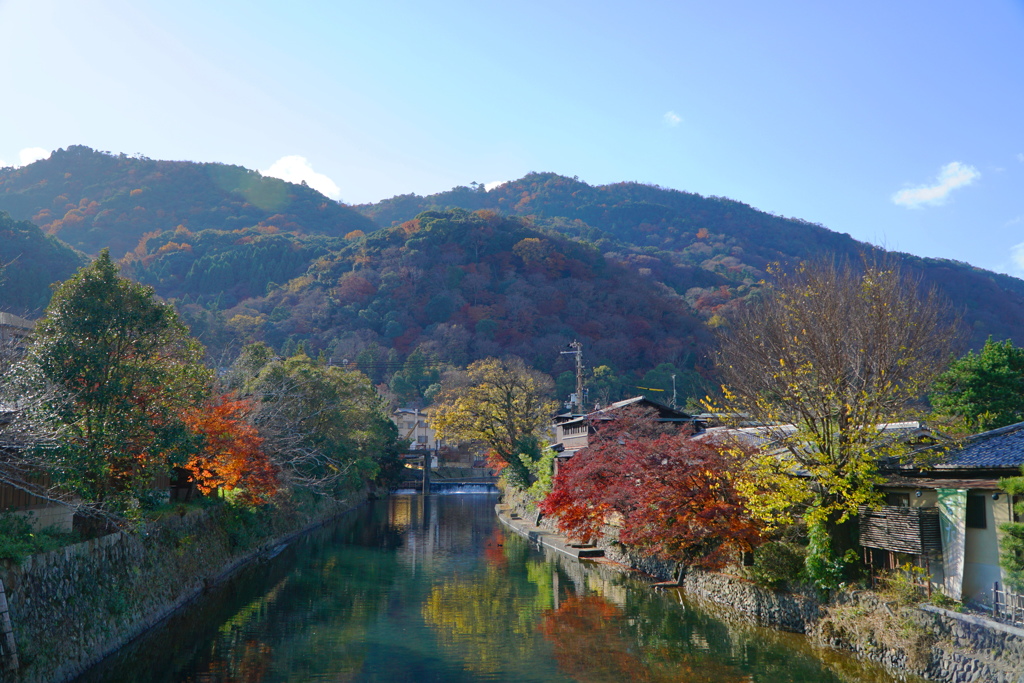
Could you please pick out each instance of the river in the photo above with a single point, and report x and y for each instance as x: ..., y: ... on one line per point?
x: 431, y: 588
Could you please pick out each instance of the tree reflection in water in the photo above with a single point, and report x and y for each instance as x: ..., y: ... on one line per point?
x: 430, y: 589
x: 592, y: 643
x: 248, y: 663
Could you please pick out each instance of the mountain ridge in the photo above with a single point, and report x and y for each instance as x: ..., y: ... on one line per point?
x: 682, y: 231
x: 641, y: 274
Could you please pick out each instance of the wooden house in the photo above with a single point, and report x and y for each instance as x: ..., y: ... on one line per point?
x: 15, y: 333
x: 572, y: 432
x: 15, y: 336
x: 945, y: 516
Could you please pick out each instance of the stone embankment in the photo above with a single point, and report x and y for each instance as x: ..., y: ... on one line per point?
x: 926, y: 641
x: 72, y: 607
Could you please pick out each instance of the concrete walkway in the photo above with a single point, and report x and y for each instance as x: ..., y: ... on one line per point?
x: 546, y: 537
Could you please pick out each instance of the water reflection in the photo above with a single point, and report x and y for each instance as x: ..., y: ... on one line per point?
x: 431, y: 589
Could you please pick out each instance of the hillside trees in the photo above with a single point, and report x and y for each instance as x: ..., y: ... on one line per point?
x: 501, y: 403
x: 986, y: 389
x: 94, y: 199
x: 29, y: 262
x: 461, y: 286
x: 833, y: 353
x: 130, y: 370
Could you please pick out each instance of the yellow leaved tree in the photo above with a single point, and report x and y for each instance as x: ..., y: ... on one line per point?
x: 502, y: 403
x: 824, y: 368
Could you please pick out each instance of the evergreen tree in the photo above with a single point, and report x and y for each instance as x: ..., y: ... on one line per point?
x: 131, y: 370
x: 1011, y: 546
x: 986, y: 389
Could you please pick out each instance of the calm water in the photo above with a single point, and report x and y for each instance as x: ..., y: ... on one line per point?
x: 431, y: 589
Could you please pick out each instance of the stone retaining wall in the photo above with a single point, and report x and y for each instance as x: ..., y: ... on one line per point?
x: 928, y: 641
x: 786, y: 611
x: 73, y: 606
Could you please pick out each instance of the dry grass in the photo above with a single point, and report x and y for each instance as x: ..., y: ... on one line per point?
x: 885, y: 619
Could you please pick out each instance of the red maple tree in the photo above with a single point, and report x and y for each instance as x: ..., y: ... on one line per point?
x: 673, y: 496
x: 231, y: 455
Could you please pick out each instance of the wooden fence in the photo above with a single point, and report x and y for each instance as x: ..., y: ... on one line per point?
x: 1007, y: 606
x: 12, y: 498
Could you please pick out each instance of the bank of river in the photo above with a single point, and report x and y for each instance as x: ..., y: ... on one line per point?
x: 431, y: 588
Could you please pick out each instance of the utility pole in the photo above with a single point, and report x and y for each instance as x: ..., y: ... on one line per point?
x: 426, y: 452
x: 577, y: 350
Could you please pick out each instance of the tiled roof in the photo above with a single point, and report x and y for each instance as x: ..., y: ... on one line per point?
x: 11, y: 320
x: 933, y: 483
x: 1001, y: 448
x: 611, y: 408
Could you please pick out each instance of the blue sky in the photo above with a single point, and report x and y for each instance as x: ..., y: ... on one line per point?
x: 899, y: 123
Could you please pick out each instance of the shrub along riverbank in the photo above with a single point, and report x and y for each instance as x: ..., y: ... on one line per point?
x: 73, y: 606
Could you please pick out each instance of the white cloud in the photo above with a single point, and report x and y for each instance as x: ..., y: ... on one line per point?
x: 1017, y: 254
x: 30, y: 154
x: 493, y: 184
x: 295, y: 169
x: 27, y: 156
x: 672, y: 119
x: 951, y: 176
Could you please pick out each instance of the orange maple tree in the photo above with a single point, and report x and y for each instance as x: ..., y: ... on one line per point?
x: 231, y: 454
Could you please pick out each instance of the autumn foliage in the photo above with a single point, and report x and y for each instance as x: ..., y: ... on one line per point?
x: 592, y: 642
x: 585, y: 632
x: 673, y: 496
x: 231, y: 455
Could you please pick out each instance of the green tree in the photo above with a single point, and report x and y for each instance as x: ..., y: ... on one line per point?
x: 986, y: 389
x: 130, y: 369
x: 501, y: 403
x: 325, y: 428
x: 604, y: 386
x: 409, y: 385
x: 831, y: 355
x: 1011, y: 546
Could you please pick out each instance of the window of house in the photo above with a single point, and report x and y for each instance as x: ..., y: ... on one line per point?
x: 975, y: 511
x: 900, y: 499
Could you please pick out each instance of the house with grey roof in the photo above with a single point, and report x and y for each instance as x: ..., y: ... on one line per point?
x: 572, y: 431
x: 945, y: 515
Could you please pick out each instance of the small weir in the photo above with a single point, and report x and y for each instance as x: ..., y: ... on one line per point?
x: 448, y: 487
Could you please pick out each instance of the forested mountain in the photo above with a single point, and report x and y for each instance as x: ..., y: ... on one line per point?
x: 220, y: 268
x: 93, y: 200
x: 30, y: 262
x: 682, y: 238
x: 640, y: 274
x: 457, y: 286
